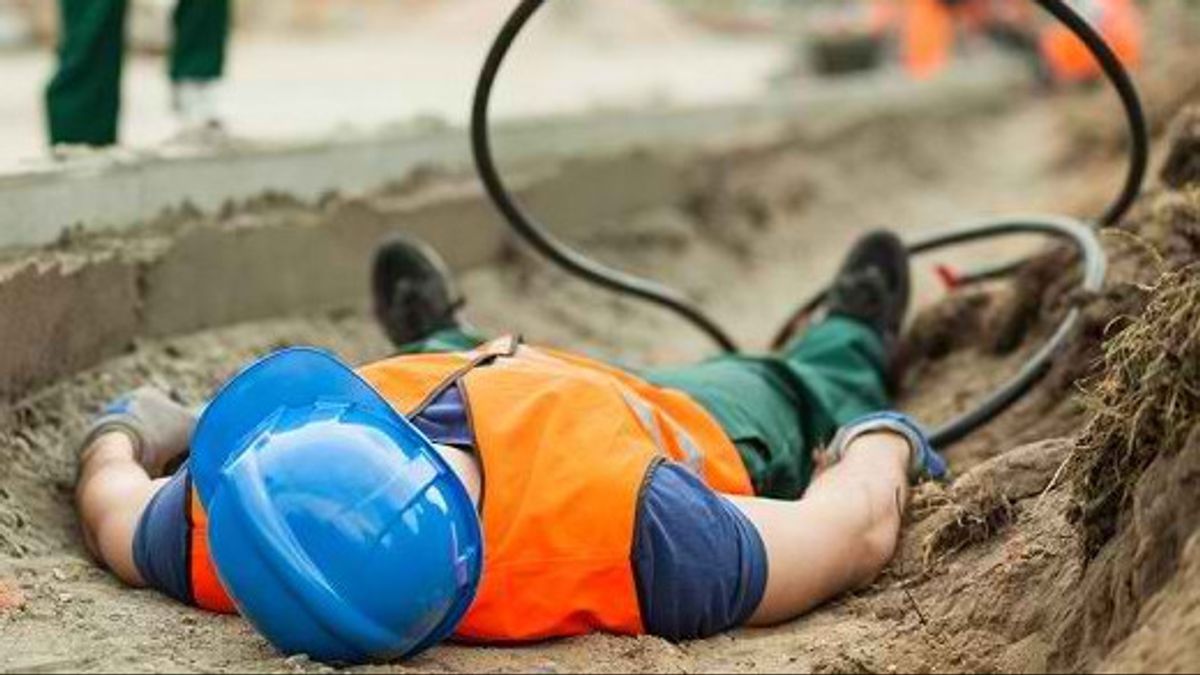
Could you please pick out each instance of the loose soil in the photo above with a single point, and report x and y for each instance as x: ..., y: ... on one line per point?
x: 1018, y: 566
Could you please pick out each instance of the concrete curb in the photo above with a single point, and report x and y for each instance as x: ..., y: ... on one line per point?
x: 67, y: 307
x: 121, y: 190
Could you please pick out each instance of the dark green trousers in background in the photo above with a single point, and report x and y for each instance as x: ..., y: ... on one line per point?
x: 777, y: 408
x: 83, y: 100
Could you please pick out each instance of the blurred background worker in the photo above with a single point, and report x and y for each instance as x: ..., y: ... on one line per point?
x: 84, y: 99
x: 930, y: 29
x: 1121, y: 23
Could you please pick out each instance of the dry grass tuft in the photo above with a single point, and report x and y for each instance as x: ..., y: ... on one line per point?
x: 1144, y: 403
x: 966, y: 522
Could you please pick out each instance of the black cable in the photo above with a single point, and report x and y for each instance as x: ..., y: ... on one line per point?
x: 1131, y: 101
x: 1135, y: 116
x: 1083, y: 236
x: 1095, y: 266
x: 546, y: 244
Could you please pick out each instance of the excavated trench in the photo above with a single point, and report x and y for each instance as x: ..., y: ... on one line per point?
x: 990, y: 572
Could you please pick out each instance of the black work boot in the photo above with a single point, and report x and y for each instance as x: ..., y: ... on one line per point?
x: 413, y: 292
x: 875, y: 287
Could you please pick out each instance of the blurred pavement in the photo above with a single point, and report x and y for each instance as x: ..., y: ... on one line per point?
x: 318, y: 86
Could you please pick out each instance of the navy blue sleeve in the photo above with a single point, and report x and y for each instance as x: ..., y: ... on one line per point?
x: 445, y: 420
x: 161, y: 544
x: 700, y: 564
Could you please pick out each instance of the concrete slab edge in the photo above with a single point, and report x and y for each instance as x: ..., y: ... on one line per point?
x: 123, y: 190
x: 68, y: 306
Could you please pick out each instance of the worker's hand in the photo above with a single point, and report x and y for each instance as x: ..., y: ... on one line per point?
x: 160, y: 428
x: 926, y: 463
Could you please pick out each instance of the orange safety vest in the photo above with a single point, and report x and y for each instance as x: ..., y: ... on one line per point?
x: 207, y: 591
x: 1119, y: 21
x: 566, y: 445
x: 927, y: 37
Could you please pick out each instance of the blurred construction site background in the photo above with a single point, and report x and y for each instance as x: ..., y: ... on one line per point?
x: 303, y: 68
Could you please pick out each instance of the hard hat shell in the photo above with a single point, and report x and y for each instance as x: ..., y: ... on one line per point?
x: 335, y: 526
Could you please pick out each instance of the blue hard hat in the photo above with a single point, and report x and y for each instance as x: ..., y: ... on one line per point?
x: 335, y: 526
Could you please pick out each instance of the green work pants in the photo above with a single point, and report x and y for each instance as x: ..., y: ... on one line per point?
x: 83, y: 100
x: 776, y: 408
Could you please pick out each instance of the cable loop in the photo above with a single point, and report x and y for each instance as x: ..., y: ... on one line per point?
x: 1083, y: 236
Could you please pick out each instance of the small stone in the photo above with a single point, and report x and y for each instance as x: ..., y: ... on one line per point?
x: 12, y: 599
x: 58, y: 574
x: 65, y: 598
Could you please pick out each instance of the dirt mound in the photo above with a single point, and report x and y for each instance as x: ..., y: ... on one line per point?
x: 1123, y: 499
x: 1138, y: 502
x: 1004, y: 323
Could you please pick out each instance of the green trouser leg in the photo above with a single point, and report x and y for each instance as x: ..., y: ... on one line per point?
x: 777, y: 409
x: 841, y: 365
x: 448, y: 340
x: 201, y: 36
x: 83, y: 100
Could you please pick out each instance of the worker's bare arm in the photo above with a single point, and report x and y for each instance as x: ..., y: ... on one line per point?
x: 840, y: 536
x: 132, y: 442
x: 112, y: 493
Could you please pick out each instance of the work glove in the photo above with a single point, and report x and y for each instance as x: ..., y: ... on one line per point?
x: 160, y: 428
x: 926, y: 463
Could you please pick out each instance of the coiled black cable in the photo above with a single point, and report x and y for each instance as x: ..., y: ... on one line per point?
x: 565, y: 257
x: 1095, y: 266
x: 618, y: 281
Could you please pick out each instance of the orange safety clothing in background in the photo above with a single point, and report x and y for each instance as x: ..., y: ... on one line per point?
x: 928, y: 33
x: 927, y: 37
x: 1119, y: 21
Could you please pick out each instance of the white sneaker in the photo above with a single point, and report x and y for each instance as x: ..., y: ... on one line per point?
x: 195, y: 103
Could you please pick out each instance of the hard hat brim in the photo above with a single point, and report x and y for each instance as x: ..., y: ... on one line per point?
x: 269, y: 572
x: 288, y: 379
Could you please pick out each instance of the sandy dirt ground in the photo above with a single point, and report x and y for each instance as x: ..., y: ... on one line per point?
x: 761, y: 229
